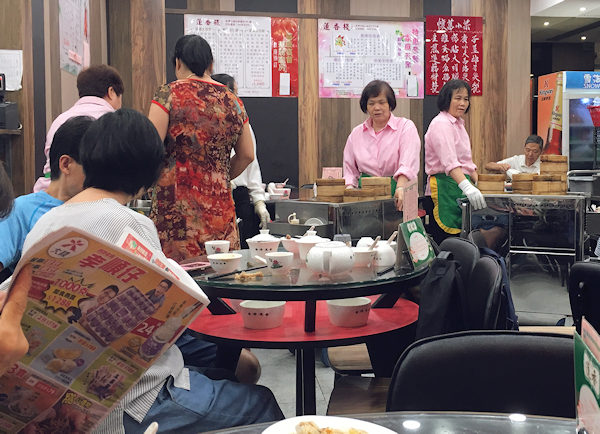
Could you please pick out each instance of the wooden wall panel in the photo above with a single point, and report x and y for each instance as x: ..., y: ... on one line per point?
x: 308, y: 97
x: 203, y: 5
x: 137, y: 48
x: 335, y: 125
x: 518, y: 92
x: 16, y: 34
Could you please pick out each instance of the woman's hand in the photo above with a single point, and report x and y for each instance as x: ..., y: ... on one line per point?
x: 399, y: 197
x: 13, y: 344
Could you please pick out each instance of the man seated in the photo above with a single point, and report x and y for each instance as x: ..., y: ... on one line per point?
x: 100, y: 90
x: 66, y: 181
x: 122, y: 156
x: 529, y: 162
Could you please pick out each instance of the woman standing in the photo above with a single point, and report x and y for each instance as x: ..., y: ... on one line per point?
x: 202, y: 121
x: 383, y: 145
x: 448, y: 161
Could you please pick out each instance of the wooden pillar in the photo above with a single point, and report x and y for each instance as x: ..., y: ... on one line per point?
x: 308, y: 96
x: 16, y: 34
x: 136, y: 47
x: 500, y: 116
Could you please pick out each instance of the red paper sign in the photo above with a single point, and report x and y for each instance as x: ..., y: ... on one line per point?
x: 284, y: 51
x: 453, y: 50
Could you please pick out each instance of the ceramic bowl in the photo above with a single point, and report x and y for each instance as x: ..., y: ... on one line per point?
x: 363, y: 257
x: 283, y: 191
x: 290, y: 245
x: 276, y: 196
x: 279, y: 262
x: 349, y: 312
x: 225, y: 262
x: 262, y: 314
x: 216, y: 246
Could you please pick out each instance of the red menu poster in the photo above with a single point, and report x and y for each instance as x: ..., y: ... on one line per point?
x: 453, y: 50
x: 284, y: 49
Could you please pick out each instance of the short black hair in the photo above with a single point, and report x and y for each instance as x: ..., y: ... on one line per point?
x: 66, y: 141
x: 534, y: 138
x: 373, y: 89
x: 97, y: 79
x: 113, y: 288
x: 445, y: 95
x: 194, y: 52
x: 121, y: 151
x: 167, y: 281
x: 225, y: 79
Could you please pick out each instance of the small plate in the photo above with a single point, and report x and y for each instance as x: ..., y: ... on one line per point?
x: 341, y: 423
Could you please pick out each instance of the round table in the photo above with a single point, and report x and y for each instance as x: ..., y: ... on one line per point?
x: 304, y: 313
x: 425, y: 422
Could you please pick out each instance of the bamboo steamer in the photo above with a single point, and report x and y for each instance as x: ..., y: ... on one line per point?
x: 331, y: 190
x: 332, y: 181
x: 375, y: 181
x: 553, y: 158
x: 363, y: 194
x: 549, y: 184
x: 497, y: 177
x: 522, y: 183
x: 330, y: 199
x: 489, y: 183
x: 553, y: 164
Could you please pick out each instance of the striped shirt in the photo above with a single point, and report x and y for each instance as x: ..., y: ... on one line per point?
x: 108, y: 219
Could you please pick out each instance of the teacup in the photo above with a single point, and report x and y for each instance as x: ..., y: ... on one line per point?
x: 216, y: 246
x: 363, y: 256
x: 279, y: 262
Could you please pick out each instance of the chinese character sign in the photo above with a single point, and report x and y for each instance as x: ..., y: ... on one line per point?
x: 284, y: 51
x: 73, y: 23
x: 263, y: 59
x: 454, y: 50
x: 353, y: 53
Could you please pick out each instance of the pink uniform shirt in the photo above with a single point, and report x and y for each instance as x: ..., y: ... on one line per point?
x: 393, y: 151
x: 447, y: 146
x: 91, y: 106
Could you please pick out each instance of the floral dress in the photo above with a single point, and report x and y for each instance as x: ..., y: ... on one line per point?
x: 192, y: 201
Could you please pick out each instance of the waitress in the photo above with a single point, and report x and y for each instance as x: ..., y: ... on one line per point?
x: 448, y: 161
x: 383, y: 145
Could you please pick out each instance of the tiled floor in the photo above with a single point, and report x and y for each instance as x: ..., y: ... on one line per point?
x: 279, y: 375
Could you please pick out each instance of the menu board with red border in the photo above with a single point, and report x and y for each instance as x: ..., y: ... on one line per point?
x: 453, y: 50
x: 261, y: 53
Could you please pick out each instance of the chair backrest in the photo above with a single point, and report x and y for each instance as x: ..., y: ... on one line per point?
x: 584, y: 294
x: 483, y: 294
x: 464, y: 252
x: 486, y: 371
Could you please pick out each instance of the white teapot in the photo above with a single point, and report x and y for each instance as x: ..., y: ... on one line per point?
x: 332, y: 257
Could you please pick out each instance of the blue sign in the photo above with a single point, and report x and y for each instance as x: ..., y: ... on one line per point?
x: 582, y: 80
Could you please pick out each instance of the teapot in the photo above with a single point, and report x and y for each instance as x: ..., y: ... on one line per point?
x: 332, y: 257
x: 307, y: 241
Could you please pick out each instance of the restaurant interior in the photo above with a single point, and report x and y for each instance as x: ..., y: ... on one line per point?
x: 544, y: 262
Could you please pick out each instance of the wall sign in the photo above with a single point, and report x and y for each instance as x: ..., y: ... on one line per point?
x: 454, y: 50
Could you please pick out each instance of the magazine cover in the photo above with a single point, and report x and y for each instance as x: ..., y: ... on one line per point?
x: 414, y: 241
x: 587, y: 378
x: 98, y: 316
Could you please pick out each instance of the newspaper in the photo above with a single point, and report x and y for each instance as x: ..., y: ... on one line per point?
x: 97, y: 317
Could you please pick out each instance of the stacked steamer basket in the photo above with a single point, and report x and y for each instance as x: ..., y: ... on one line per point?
x: 330, y: 190
x: 491, y: 184
x: 373, y: 188
x: 522, y: 183
x: 553, y: 175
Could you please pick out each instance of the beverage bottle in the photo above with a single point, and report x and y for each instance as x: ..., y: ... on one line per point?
x: 554, y: 138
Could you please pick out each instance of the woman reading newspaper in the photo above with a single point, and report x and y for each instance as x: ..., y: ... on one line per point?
x: 121, y: 154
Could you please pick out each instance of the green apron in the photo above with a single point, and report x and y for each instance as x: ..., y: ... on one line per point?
x: 366, y: 175
x: 446, y: 211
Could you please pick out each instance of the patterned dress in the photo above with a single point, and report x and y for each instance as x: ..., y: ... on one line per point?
x: 192, y: 200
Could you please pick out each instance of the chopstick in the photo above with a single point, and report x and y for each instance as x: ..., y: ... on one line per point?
x: 218, y: 276
x: 387, y: 270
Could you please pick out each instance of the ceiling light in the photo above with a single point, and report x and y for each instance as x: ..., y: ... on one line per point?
x: 582, y: 9
x: 583, y: 38
x: 546, y: 23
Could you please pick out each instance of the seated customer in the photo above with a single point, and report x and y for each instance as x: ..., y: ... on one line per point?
x: 122, y: 157
x: 66, y: 181
x: 529, y: 162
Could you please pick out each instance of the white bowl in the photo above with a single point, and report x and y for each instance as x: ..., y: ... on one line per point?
x: 225, y: 262
x: 260, y: 314
x: 363, y: 257
x: 276, y: 196
x: 290, y: 245
x: 279, y: 262
x: 216, y: 246
x: 260, y: 248
x: 349, y: 312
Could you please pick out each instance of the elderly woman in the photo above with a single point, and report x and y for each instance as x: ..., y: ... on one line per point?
x: 383, y: 145
x: 448, y: 161
x: 202, y: 120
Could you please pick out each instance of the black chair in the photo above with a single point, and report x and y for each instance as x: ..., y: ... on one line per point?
x: 465, y: 252
x: 486, y: 371
x: 483, y: 295
x: 584, y: 293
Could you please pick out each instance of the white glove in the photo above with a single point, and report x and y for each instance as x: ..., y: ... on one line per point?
x: 473, y: 194
x: 511, y: 172
x: 261, y: 209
